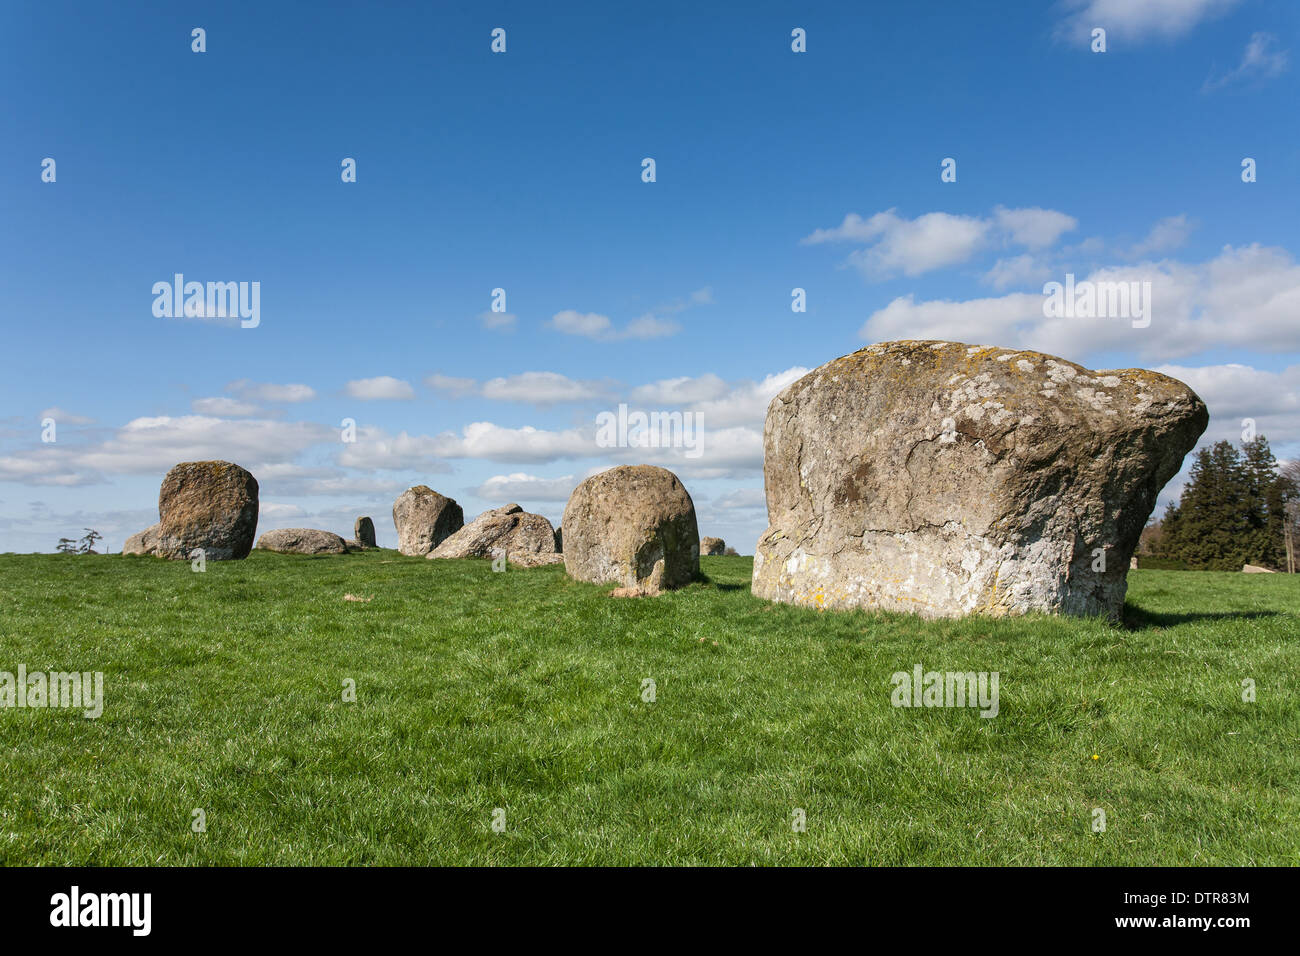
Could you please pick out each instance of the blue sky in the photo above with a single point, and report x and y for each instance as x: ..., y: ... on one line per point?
x: 522, y: 171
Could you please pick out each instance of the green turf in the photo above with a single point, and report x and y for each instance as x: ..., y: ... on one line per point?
x: 523, y: 690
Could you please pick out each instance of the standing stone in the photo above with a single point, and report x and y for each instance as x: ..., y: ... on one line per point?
x: 712, y: 546
x: 142, y: 542
x: 509, y: 529
x: 945, y: 479
x: 364, y: 532
x: 559, y: 540
x: 424, y: 519
x: 302, y: 541
x: 210, y: 505
x: 633, y: 525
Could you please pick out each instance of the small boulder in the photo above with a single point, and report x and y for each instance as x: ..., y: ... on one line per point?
x: 712, y: 546
x: 302, y: 541
x: 508, y: 528
x: 424, y: 519
x: 633, y: 525
x: 1256, y: 569
x: 142, y: 542
x: 210, y: 505
x: 364, y: 533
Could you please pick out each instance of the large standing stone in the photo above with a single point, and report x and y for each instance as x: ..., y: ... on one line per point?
x: 364, y: 532
x: 210, y: 505
x: 509, y: 529
x: 302, y: 541
x: 424, y: 519
x: 946, y: 479
x: 633, y: 525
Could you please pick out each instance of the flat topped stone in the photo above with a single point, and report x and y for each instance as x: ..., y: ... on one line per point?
x: 946, y: 479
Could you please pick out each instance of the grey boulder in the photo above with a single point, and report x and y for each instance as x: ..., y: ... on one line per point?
x: 947, y: 479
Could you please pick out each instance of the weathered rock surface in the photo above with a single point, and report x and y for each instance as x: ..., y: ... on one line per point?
x: 206, y: 504
x: 424, y: 519
x: 633, y: 525
x: 946, y: 479
x: 509, y: 529
x: 534, y: 559
x: 142, y: 542
x: 302, y: 541
x: 363, y: 531
x: 712, y: 546
x: 1255, y: 569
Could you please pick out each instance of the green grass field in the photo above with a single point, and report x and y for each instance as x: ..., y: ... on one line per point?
x: 523, y: 691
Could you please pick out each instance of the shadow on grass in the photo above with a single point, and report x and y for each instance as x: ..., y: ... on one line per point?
x: 1136, y: 619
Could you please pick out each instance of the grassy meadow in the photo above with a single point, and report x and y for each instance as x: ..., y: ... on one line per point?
x: 523, y: 691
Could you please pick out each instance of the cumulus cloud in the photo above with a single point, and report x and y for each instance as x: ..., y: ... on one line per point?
x: 541, y: 388
x: 525, y: 487
x: 485, y: 440
x: 599, y: 328
x: 1244, y: 298
x: 151, y: 446
x: 1236, y: 392
x: 380, y: 388
x: 223, y: 406
x: 910, y: 247
x: 376, y: 448
x: 1136, y: 21
x: 498, y: 321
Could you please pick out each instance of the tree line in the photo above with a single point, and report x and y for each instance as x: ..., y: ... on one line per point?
x: 1238, y: 507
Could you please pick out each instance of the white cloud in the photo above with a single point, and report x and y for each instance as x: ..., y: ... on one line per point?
x: 1244, y: 298
x: 486, y: 440
x: 742, y: 499
x: 153, y: 445
x: 540, y: 388
x: 746, y: 403
x: 1260, y: 61
x: 1033, y: 227
x: 382, y: 387
x: 224, y: 407
x: 525, y: 487
x: 911, y: 247
x: 1236, y: 392
x: 681, y: 390
x: 269, y: 392
x: 599, y: 328
x: 907, y: 246
x: 377, y: 449
x: 1019, y: 270
x: 1138, y: 20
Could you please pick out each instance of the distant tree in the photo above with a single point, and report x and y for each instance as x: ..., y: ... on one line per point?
x: 1232, y: 510
x: 67, y: 546
x: 87, y: 543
